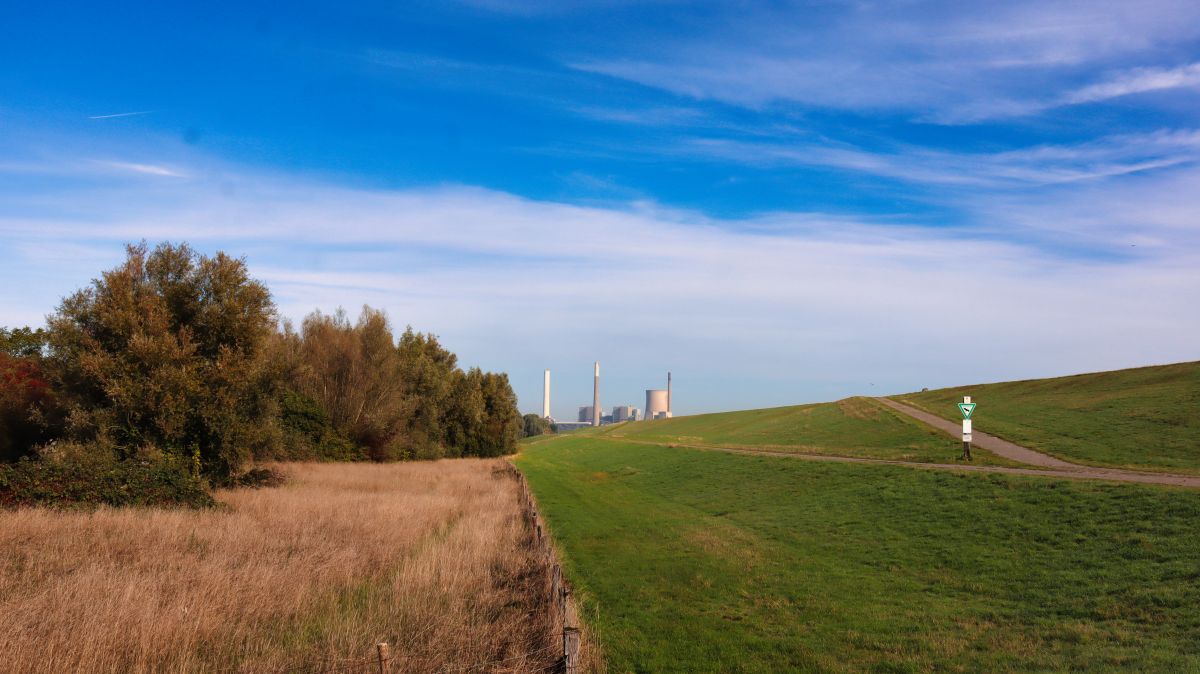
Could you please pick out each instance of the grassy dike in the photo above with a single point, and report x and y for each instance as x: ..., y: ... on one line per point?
x: 697, y: 561
x: 858, y: 427
x: 1144, y: 418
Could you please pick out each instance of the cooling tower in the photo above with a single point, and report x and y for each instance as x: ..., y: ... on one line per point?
x: 656, y: 404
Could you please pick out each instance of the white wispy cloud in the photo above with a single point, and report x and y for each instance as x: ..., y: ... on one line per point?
x: 123, y: 114
x: 136, y: 167
x: 1041, y: 165
x: 1137, y: 81
x: 519, y: 284
x: 942, y: 62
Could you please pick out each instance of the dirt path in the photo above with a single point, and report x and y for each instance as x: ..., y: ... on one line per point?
x: 991, y: 443
x: 1056, y: 467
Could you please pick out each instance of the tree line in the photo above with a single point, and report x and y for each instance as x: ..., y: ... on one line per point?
x: 180, y: 356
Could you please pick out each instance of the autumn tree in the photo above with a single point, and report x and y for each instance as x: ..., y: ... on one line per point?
x: 465, y: 415
x: 402, y: 398
x: 22, y: 342
x: 502, y: 420
x: 484, y: 420
x: 168, y: 351
x: 353, y: 372
x: 534, y: 425
x: 428, y: 372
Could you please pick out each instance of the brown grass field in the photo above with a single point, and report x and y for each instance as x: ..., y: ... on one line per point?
x: 431, y: 557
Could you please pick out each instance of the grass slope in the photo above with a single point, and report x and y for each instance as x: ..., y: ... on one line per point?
x: 859, y: 427
x: 1147, y: 417
x: 707, y: 561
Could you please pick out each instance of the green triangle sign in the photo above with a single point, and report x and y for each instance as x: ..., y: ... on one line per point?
x: 966, y: 409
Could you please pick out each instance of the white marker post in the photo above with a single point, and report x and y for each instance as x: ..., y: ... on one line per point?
x: 967, y: 408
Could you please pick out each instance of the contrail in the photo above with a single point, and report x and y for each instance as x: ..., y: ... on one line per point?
x: 122, y: 114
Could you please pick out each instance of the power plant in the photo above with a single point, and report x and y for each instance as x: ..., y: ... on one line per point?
x: 658, y: 405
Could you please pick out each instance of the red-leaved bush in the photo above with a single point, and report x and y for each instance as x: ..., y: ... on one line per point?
x: 27, y: 407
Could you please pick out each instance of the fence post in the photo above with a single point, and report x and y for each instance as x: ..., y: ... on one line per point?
x: 566, y: 604
x: 555, y: 584
x: 571, y: 650
x: 560, y: 591
x: 382, y: 650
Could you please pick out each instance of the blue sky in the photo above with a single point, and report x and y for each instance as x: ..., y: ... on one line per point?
x: 780, y: 202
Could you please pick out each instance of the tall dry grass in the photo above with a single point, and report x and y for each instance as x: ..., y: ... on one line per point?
x: 430, y: 557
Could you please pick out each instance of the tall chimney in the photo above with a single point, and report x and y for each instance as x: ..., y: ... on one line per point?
x: 546, y: 397
x: 668, y: 394
x: 596, y: 397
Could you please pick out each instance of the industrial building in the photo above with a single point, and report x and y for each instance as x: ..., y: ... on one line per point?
x: 624, y: 413
x: 585, y: 414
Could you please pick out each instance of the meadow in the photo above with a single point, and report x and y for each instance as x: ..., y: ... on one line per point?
x: 431, y: 557
x: 1143, y: 418
x: 702, y: 561
x: 857, y: 427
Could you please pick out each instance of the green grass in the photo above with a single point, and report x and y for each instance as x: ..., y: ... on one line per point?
x: 694, y: 561
x: 1146, y: 418
x: 858, y: 427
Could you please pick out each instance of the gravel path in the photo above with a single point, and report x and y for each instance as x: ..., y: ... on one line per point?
x: 1057, y: 467
x: 991, y: 443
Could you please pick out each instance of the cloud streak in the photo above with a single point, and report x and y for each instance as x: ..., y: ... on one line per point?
x: 1137, y: 81
x: 1021, y: 169
x: 145, y: 169
x: 123, y: 114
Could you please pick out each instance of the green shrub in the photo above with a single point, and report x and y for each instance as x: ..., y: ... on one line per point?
x: 309, y: 433
x: 68, y: 474
x: 259, y: 478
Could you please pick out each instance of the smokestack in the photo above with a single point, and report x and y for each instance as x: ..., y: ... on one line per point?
x: 546, y: 397
x: 668, y: 394
x: 596, y: 397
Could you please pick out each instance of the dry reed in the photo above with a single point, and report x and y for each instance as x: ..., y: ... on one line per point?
x: 433, y: 558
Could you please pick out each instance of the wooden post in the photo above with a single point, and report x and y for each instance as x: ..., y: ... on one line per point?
x: 384, y: 653
x: 571, y: 650
x: 556, y: 584
x: 566, y: 604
